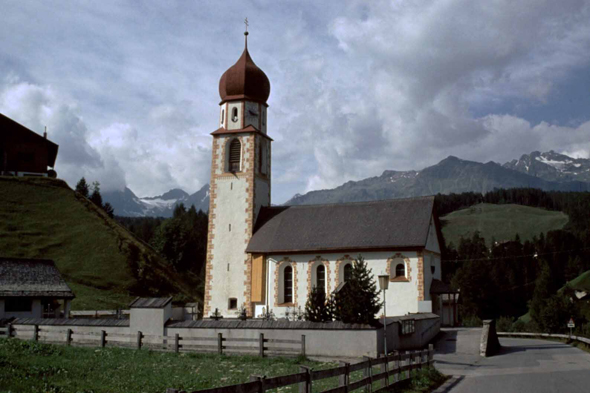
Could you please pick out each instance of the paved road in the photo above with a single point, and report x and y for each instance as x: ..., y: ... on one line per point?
x: 523, y: 365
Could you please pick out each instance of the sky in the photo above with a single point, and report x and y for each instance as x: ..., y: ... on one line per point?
x: 129, y: 89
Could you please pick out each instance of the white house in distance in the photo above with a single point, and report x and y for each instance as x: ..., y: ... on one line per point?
x: 32, y: 288
x: 269, y: 258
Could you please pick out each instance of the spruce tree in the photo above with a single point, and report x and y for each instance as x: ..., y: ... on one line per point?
x: 358, y: 300
x: 95, y: 196
x: 316, y: 307
x: 108, y: 208
x: 82, y: 187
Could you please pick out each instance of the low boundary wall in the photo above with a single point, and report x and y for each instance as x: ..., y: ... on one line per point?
x: 489, y: 344
x: 332, y: 339
x: 545, y: 335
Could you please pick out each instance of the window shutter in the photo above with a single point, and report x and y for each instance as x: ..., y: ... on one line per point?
x: 234, y: 155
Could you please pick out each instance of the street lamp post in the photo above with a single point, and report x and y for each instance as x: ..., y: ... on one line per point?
x: 384, y: 284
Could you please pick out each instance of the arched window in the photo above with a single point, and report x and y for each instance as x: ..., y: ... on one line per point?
x: 235, y: 150
x: 321, y: 278
x: 222, y: 116
x: 347, y: 272
x: 400, y: 270
x: 288, y: 285
x: 234, y: 114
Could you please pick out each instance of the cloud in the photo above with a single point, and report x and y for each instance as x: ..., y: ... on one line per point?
x: 131, y: 91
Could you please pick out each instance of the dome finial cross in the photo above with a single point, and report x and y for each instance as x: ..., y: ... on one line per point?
x: 246, y: 32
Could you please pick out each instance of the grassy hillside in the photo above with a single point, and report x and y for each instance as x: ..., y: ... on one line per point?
x: 501, y: 222
x: 44, y: 218
x: 581, y: 283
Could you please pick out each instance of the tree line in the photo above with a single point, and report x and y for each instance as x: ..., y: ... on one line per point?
x: 510, y: 278
x: 93, y: 193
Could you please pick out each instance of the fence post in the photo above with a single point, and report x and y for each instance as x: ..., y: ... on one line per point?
x: 303, y: 345
x: 69, y: 337
x: 261, y: 345
x: 260, y: 379
x: 9, y: 331
x: 305, y: 387
x: 103, y: 338
x: 344, y: 378
x: 430, y: 354
x: 220, y: 343
x: 139, y: 339
x: 36, y: 333
x: 367, y: 372
x: 385, y: 369
x: 176, y: 343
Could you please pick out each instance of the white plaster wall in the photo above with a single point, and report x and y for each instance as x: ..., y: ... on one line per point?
x: 234, y: 125
x: 222, y: 115
x: 147, y: 320
x: 262, y: 197
x: 250, y: 119
x: 332, y: 343
x: 432, y: 240
x: 402, y: 297
x: 431, y: 259
x: 229, y: 245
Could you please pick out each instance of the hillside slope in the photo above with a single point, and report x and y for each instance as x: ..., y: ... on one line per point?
x: 102, y: 262
x: 500, y: 222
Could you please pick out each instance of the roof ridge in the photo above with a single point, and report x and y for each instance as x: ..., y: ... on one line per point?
x: 359, y: 203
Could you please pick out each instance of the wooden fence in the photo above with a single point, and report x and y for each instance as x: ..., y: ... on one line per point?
x: 392, y: 370
x: 261, y: 346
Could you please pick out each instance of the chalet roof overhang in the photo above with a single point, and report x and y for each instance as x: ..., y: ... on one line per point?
x: 15, y: 129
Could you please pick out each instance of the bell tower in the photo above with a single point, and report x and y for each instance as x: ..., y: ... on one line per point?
x: 239, y: 187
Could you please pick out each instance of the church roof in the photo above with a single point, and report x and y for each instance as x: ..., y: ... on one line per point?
x: 32, y: 278
x: 379, y: 225
x: 244, y: 81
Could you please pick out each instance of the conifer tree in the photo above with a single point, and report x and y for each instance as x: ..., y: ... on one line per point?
x: 358, y: 300
x: 82, y: 187
x: 95, y: 196
x: 316, y: 307
x: 108, y: 208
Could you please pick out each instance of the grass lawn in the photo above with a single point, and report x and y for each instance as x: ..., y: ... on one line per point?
x: 27, y: 366
x: 500, y: 222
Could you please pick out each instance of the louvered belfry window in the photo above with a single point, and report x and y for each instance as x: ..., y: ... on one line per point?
x: 235, y: 150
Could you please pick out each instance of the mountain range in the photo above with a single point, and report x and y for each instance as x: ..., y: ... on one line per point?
x: 127, y: 204
x: 548, y: 171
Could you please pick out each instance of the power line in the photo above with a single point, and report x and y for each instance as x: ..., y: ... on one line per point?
x: 535, y: 255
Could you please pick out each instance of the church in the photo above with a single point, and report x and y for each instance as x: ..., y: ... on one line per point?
x: 266, y: 258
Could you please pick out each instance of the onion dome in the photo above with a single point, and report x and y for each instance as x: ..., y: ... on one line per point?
x: 244, y: 81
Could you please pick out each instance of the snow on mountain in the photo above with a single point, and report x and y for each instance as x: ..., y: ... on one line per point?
x: 127, y: 204
x: 552, y: 166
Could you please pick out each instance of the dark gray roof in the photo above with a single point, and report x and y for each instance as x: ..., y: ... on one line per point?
x: 150, y: 302
x: 386, y: 224
x: 72, y: 322
x: 261, y: 324
x: 32, y: 278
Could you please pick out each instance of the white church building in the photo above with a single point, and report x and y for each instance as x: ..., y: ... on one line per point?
x: 268, y: 258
